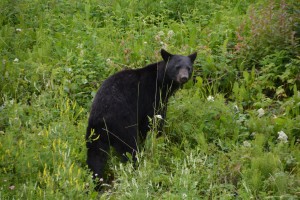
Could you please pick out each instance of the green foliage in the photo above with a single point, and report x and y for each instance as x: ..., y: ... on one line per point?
x: 231, y: 133
x: 269, y: 27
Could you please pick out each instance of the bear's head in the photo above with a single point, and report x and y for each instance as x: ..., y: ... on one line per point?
x: 178, y: 68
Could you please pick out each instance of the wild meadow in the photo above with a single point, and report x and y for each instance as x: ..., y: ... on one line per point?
x: 232, y: 132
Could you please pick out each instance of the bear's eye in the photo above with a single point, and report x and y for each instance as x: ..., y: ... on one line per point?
x: 177, y: 67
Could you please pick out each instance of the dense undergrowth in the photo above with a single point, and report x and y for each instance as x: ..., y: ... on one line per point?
x: 233, y: 132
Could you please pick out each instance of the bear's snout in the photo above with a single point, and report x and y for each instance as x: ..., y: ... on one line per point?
x: 183, y: 79
x: 183, y: 76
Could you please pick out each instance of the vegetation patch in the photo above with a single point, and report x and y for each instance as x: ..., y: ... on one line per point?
x: 233, y: 132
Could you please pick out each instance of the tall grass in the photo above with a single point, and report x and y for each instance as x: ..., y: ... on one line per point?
x: 223, y: 132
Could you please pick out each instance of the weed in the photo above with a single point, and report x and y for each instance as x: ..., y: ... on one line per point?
x: 232, y: 132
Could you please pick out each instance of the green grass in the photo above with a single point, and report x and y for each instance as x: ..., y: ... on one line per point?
x: 55, y: 55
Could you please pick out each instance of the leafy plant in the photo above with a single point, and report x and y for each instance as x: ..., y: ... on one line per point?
x: 231, y: 132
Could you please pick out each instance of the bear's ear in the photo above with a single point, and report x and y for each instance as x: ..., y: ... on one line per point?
x: 193, y: 57
x: 165, y: 55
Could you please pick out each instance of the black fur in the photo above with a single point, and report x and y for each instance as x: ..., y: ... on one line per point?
x: 120, y: 111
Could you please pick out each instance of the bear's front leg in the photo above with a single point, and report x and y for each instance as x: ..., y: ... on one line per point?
x: 97, y: 159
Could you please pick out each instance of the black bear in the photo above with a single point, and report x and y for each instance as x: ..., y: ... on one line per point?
x: 121, y: 109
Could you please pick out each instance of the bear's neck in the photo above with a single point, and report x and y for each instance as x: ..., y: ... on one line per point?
x: 166, y: 85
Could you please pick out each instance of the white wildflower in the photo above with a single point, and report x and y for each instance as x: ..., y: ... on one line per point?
x: 210, y: 98
x: 282, y: 136
x: 158, y: 116
x: 260, y: 112
x: 158, y: 36
x: 12, y: 187
x: 170, y: 33
x: 16, y: 60
x: 79, y: 46
x: 18, y: 29
x: 160, y: 33
x: 81, y: 53
x: 236, y: 108
x: 11, y: 102
x: 246, y: 144
x: 109, y: 61
x: 164, y: 45
x: 184, y: 195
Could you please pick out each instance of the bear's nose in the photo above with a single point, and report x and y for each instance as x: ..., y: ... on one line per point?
x: 183, y: 79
